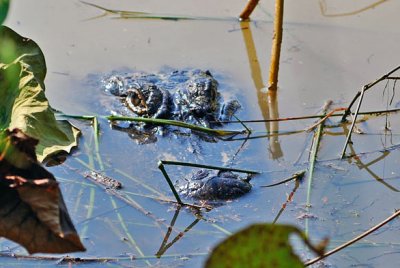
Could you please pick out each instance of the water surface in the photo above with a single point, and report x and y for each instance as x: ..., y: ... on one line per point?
x: 323, y: 58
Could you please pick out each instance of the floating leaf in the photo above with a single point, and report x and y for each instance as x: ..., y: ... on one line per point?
x: 32, y: 211
x: 260, y: 245
x: 4, y: 5
x: 24, y: 104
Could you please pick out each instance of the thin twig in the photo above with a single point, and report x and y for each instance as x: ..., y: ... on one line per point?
x: 324, y: 118
x: 352, y: 241
x: 241, y: 122
x: 251, y: 5
x: 288, y: 199
x: 360, y: 95
x: 186, y: 164
x: 377, y: 112
x: 296, y: 176
x: 348, y: 138
x: 368, y: 86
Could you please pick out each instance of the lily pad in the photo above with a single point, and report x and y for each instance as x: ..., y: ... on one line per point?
x: 260, y: 245
x: 24, y: 104
x: 32, y: 212
x: 4, y: 5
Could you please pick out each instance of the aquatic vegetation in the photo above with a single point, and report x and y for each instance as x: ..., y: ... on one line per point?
x: 24, y: 105
x: 261, y: 245
x: 33, y: 210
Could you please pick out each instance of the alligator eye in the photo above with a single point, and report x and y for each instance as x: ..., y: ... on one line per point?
x: 135, y: 100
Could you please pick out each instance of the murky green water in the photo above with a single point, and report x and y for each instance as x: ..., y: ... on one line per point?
x: 323, y: 57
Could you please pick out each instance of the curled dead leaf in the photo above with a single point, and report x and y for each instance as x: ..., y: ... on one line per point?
x: 33, y: 212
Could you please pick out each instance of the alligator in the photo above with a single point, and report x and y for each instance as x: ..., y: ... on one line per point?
x: 191, y: 96
x: 214, y: 185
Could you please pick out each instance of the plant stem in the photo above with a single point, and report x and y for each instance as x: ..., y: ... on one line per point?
x: 96, y: 133
x: 251, y: 5
x: 177, y: 163
x: 89, y: 212
x: 126, y: 230
x: 368, y: 86
x: 171, y: 185
x: 296, y: 176
x: 352, y: 241
x: 276, y: 46
x: 313, y: 158
x: 353, y: 122
x: 157, y: 121
x: 311, y: 117
x: 248, y: 130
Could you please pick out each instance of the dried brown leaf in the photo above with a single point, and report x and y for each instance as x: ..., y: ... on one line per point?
x: 33, y: 212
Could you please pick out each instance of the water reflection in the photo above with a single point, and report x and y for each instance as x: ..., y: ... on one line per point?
x: 324, y: 8
x: 366, y: 166
x: 267, y: 101
x: 164, y: 244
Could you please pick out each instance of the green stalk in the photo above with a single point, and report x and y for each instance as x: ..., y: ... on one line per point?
x: 157, y: 121
x: 313, y: 158
x: 186, y: 164
x: 96, y: 132
x: 219, y: 228
x: 144, y: 185
x: 90, y: 164
x: 125, y: 228
x: 83, y: 163
x: 80, y: 117
x: 171, y: 185
x: 77, y: 205
x: 89, y: 213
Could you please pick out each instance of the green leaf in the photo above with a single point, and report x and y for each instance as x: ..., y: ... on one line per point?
x: 260, y: 245
x: 4, y: 5
x: 24, y: 104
